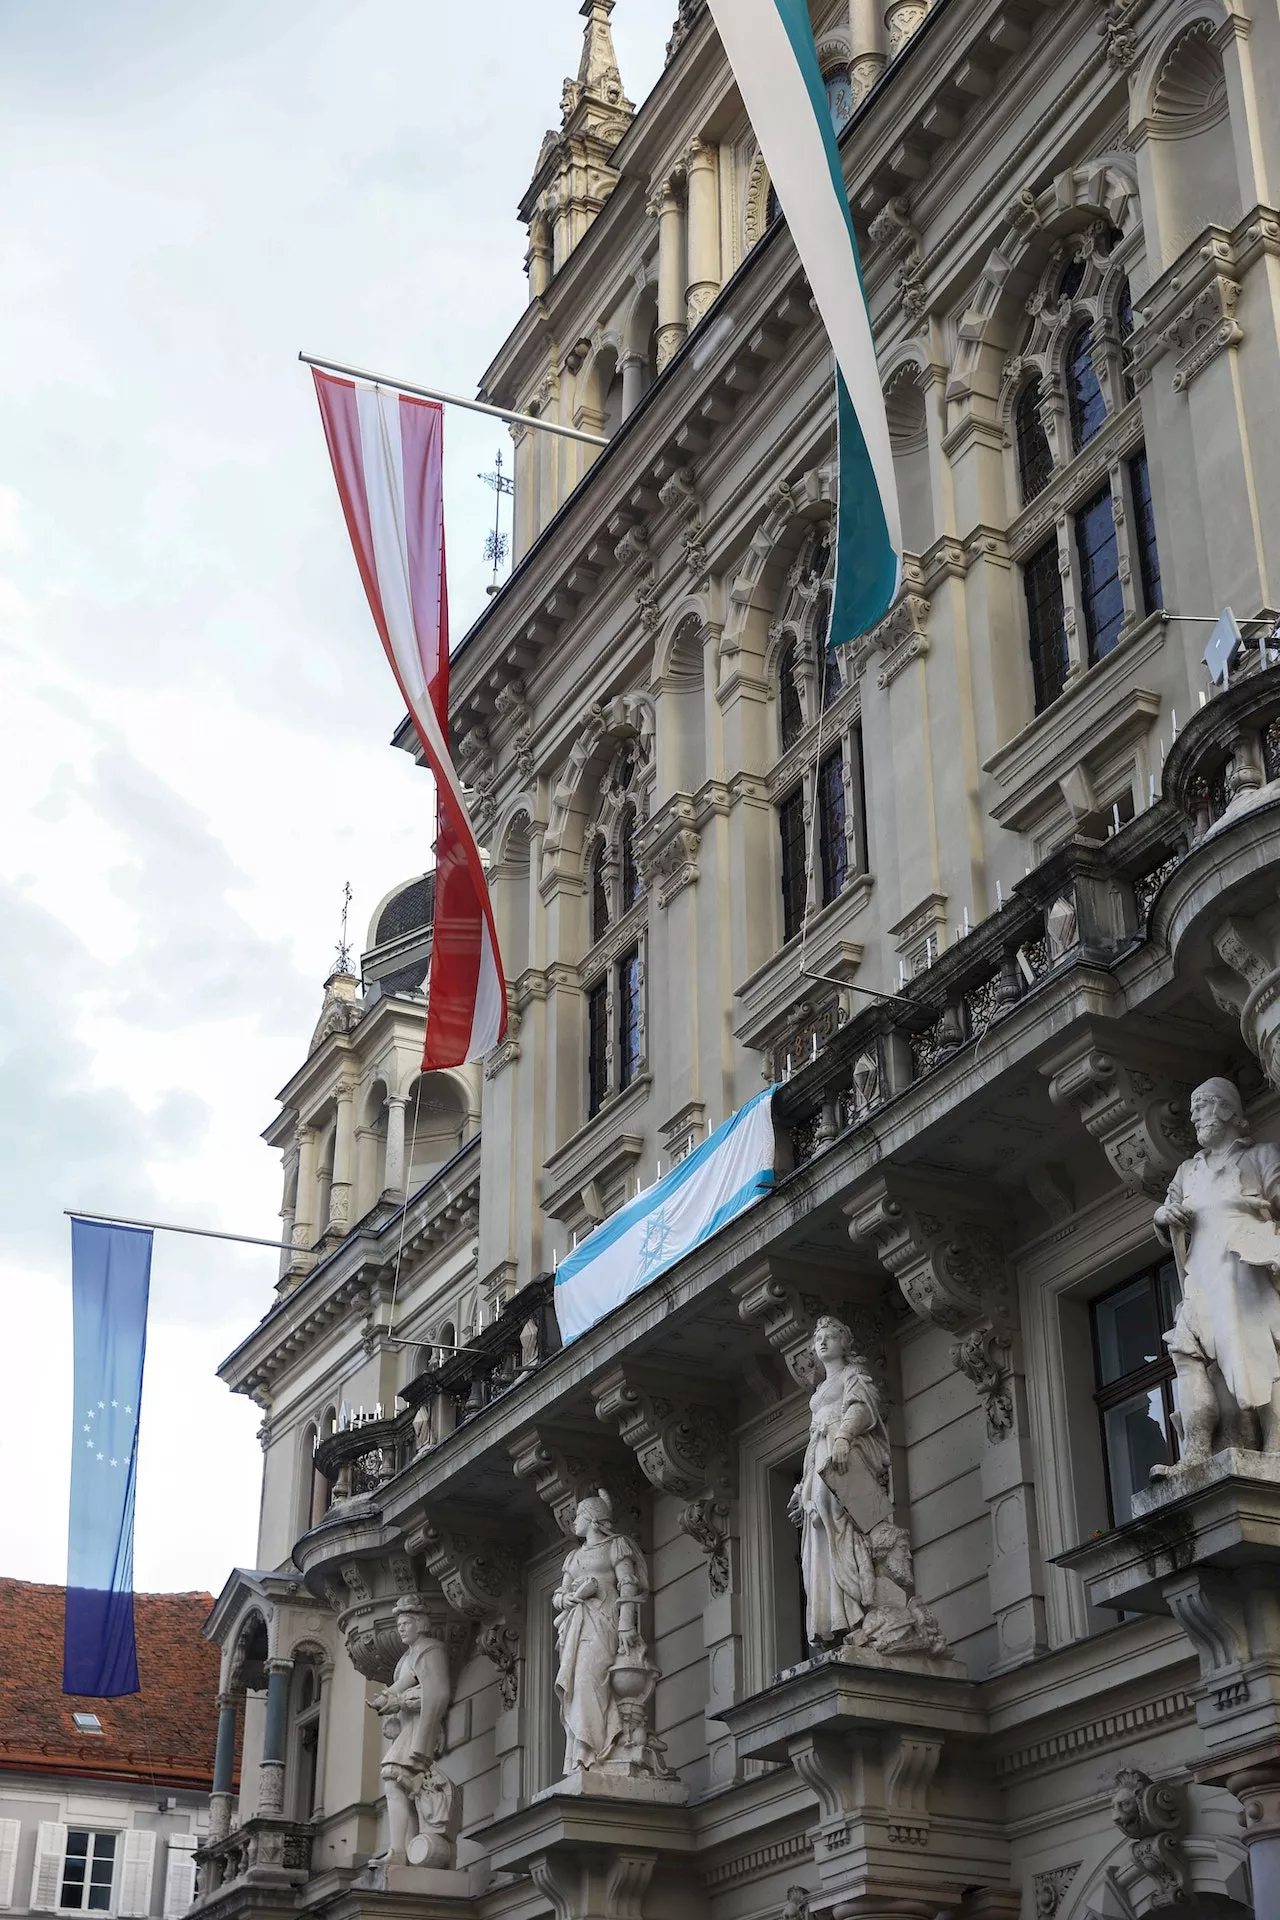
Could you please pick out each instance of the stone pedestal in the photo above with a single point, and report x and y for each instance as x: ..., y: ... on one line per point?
x: 889, y: 1746
x: 1204, y: 1546
x: 640, y: 1788
x: 591, y: 1854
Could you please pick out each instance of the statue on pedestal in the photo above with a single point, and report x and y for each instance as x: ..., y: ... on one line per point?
x: 855, y: 1560
x: 424, y: 1807
x: 606, y: 1678
x: 1220, y: 1216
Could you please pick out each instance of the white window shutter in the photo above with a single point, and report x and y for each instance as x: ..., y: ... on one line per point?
x: 180, y: 1875
x: 9, y: 1832
x: 46, y: 1875
x: 135, y: 1879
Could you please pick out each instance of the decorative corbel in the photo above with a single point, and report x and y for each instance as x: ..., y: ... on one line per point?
x: 984, y: 1356
x: 500, y: 1643
x: 910, y: 1763
x: 950, y: 1265
x: 1138, y: 1118
x: 1246, y: 985
x: 894, y: 230
x: 680, y: 491
x: 561, y: 1475
x: 1152, y: 1817
x: 787, y: 1317
x: 683, y: 1448
x: 634, y: 552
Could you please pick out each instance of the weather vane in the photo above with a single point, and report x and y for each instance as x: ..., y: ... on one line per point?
x: 495, y: 546
x: 344, y: 950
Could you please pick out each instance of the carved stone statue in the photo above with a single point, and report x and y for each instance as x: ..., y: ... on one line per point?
x: 1220, y: 1216
x: 855, y: 1562
x: 422, y: 1428
x: 424, y: 1807
x: 606, y: 1678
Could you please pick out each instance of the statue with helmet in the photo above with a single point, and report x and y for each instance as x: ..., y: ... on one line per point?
x: 424, y: 1806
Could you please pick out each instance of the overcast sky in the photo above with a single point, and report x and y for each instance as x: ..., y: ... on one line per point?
x: 195, y: 715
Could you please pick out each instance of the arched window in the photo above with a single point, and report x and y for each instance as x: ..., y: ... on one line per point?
x: 1124, y: 326
x: 599, y: 893
x: 790, y: 711
x: 305, y: 1781
x: 1084, y: 395
x: 630, y: 870
x: 1072, y: 280
x: 1035, y: 461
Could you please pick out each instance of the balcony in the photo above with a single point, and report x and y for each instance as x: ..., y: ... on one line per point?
x: 263, y: 1856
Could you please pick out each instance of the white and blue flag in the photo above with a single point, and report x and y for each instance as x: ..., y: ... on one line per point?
x: 775, y: 63
x: 715, y: 1183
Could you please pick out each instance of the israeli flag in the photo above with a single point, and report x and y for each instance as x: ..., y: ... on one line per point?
x: 775, y: 63
x: 718, y: 1181
x: 110, y: 1284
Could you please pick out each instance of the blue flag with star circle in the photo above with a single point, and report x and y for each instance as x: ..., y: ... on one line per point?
x: 110, y: 1284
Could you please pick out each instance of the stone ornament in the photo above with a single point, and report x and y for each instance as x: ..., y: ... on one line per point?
x: 1152, y: 1819
x: 855, y: 1560
x: 606, y: 1678
x: 424, y: 1807
x: 1220, y: 1216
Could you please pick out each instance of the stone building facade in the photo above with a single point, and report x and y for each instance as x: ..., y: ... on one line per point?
x: 985, y: 895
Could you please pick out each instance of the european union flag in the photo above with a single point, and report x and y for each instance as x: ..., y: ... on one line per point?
x: 110, y: 1282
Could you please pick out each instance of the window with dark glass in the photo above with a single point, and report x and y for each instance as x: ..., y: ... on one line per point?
x: 1100, y: 591
x: 1124, y: 325
x: 1042, y: 582
x: 87, y: 1870
x: 790, y: 711
x: 772, y: 206
x: 628, y: 1018
x: 832, y: 685
x: 1087, y: 407
x: 1072, y: 280
x: 597, y: 1046
x: 599, y: 893
x: 833, y: 843
x: 1035, y: 461
x: 1144, y: 532
x: 1135, y: 1376
x: 791, y: 827
x: 630, y: 870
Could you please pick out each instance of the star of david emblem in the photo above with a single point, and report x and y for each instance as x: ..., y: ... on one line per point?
x: 657, y: 1232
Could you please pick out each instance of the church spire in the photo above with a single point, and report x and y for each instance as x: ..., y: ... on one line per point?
x: 599, y: 64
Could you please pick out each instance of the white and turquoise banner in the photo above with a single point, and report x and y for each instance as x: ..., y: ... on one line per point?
x: 717, y: 1182
x: 775, y: 63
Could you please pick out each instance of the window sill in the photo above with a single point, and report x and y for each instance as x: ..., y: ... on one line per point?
x: 1100, y: 715
x: 606, y: 1147
x: 768, y: 999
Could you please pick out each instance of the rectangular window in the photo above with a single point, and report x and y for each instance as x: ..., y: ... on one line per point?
x: 1100, y: 588
x: 628, y: 1018
x: 1135, y: 1382
x: 597, y: 1047
x: 1144, y: 533
x: 87, y: 1871
x: 791, y: 827
x: 833, y: 842
x: 1042, y: 581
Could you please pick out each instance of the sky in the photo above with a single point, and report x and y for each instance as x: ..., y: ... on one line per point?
x: 195, y: 714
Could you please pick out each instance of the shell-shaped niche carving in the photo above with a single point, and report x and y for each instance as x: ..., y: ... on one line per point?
x: 1191, y: 85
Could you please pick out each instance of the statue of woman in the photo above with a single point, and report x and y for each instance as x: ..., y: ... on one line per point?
x: 855, y: 1562
x: 597, y: 1606
x: 421, y: 1800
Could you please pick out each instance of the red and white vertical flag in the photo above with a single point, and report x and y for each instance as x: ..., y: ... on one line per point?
x: 388, y: 459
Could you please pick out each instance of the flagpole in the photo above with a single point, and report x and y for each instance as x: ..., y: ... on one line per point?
x: 453, y: 400
x: 167, y: 1226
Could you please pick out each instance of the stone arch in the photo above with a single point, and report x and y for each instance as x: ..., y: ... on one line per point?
x: 604, y: 726
x: 1106, y: 189
x: 755, y: 207
x: 509, y: 885
x: 250, y: 1648
x: 790, y: 510
x: 598, y: 392
x: 439, y: 1107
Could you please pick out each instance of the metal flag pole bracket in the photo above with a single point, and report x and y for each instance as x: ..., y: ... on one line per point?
x: 451, y: 400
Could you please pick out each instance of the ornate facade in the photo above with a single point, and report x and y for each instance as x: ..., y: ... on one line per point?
x: 987, y: 895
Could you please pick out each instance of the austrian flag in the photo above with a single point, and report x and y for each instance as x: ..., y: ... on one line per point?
x: 388, y: 459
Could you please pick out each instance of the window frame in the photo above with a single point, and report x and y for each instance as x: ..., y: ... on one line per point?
x: 93, y: 1835
x: 1158, y: 1373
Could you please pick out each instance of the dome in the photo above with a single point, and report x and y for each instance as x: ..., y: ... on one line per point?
x: 411, y: 909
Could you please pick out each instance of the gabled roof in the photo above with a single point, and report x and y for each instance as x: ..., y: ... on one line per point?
x: 165, y: 1733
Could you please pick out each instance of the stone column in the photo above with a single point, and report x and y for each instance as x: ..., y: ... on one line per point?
x: 901, y: 18
x: 1259, y: 1795
x: 866, y: 37
x: 224, y: 1758
x: 304, y: 1209
x: 271, y: 1775
x: 393, y: 1178
x: 343, y: 1156
x: 667, y: 207
x: 633, y: 372
x: 702, y: 165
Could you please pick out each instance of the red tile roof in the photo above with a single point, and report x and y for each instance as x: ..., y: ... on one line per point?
x: 167, y: 1730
